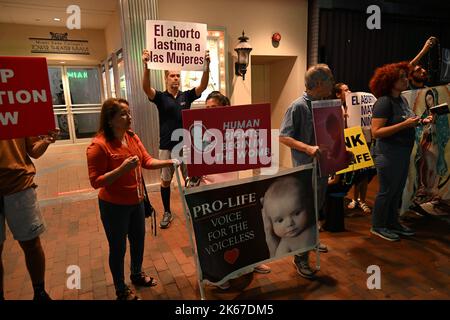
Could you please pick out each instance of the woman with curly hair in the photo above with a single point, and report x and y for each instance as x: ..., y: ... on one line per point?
x: 393, y: 125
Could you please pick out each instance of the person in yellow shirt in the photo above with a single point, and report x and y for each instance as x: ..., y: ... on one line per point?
x: 19, y: 206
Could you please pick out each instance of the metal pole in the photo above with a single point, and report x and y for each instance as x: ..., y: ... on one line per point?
x: 189, y: 228
x: 316, y: 209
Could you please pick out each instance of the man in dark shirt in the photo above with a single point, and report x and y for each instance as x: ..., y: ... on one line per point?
x: 418, y: 76
x: 170, y: 103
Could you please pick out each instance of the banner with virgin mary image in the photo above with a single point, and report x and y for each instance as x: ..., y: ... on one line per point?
x: 427, y: 189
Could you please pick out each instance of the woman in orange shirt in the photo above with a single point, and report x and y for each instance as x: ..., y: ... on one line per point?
x: 115, y: 158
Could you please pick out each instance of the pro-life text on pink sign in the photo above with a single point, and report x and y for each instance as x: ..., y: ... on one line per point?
x: 25, y: 98
x: 176, y: 45
x: 227, y: 139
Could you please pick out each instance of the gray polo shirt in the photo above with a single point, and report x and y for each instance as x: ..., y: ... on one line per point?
x: 298, y: 124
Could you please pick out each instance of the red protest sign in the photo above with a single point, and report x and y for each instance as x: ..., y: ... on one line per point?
x: 25, y: 98
x: 227, y: 139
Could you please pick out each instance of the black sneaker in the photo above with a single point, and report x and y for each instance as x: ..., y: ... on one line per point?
x: 166, y: 220
x: 42, y: 296
x: 303, y: 268
x: 402, y: 230
x: 385, y: 234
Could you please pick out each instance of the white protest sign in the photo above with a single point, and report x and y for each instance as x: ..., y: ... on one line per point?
x: 359, y: 109
x: 176, y: 45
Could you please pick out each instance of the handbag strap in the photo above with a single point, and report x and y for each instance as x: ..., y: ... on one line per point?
x: 153, y: 217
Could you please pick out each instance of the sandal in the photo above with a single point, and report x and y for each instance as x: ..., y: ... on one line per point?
x: 365, y: 208
x: 352, y: 205
x: 127, y: 295
x: 143, y: 280
x: 262, y: 268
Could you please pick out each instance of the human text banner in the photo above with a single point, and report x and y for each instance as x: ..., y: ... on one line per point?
x: 428, y: 184
x: 255, y: 220
x: 226, y: 139
x: 356, y: 143
x: 329, y: 131
x: 25, y: 98
x: 176, y: 45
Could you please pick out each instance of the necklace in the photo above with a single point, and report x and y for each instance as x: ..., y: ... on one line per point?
x: 124, y: 141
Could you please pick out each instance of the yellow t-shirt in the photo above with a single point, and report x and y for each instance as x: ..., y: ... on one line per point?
x: 16, y: 168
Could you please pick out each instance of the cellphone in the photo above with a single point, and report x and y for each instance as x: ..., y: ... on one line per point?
x: 440, y: 109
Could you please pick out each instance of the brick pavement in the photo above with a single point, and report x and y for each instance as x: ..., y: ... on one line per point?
x: 415, y: 268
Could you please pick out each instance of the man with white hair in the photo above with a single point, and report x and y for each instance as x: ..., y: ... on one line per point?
x: 297, y: 132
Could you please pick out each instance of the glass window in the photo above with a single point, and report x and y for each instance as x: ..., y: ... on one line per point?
x: 86, y: 124
x: 62, y: 123
x: 84, y: 85
x: 121, y: 70
x: 111, y: 79
x: 105, y: 84
x: 56, y: 86
x: 217, y: 74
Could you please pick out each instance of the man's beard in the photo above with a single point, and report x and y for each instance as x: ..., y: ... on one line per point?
x: 420, y: 79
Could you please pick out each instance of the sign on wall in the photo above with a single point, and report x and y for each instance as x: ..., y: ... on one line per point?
x: 60, y: 44
x: 25, y: 101
x: 176, y: 45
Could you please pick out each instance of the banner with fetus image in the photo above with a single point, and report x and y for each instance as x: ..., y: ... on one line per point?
x: 329, y: 130
x: 428, y: 184
x: 242, y: 224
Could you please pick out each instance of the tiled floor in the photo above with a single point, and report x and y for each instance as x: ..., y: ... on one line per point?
x: 415, y: 268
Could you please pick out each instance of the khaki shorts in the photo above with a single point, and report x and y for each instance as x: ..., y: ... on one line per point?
x: 21, y: 211
x: 167, y: 172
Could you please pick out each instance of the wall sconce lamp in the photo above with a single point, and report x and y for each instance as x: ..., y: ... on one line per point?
x: 243, y: 49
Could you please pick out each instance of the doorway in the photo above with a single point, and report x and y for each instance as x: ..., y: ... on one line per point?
x: 274, y: 81
x: 76, y: 96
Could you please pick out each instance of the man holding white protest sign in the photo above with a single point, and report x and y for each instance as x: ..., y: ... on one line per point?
x: 173, y: 46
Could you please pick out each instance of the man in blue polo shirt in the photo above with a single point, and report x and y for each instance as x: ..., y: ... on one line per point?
x: 170, y: 103
x: 297, y: 132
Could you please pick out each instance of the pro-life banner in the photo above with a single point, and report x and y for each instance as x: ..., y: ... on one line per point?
x: 359, y: 111
x: 226, y: 139
x: 356, y: 143
x: 242, y: 224
x: 428, y: 184
x: 25, y: 98
x: 329, y: 131
x: 176, y: 45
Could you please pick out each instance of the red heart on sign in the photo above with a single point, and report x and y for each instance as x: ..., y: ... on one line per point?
x: 231, y: 256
